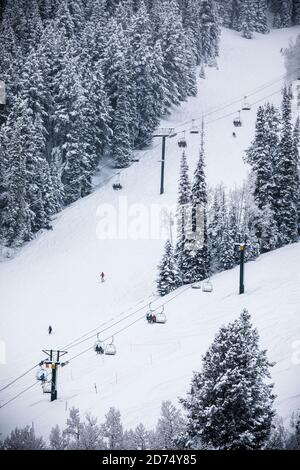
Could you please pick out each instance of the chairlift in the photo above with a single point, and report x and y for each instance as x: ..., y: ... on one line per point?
x: 194, y: 129
x: 46, y: 387
x: 182, y: 141
x: 246, y: 105
x: 237, y: 120
x: 110, y: 349
x: 160, y: 317
x: 99, y: 346
x: 41, y: 375
x: 117, y: 185
x: 207, y: 286
x: 150, y: 315
x: 196, y: 285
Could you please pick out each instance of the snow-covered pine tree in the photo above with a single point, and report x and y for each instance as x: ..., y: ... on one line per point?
x: 112, y: 430
x: 296, y: 12
x: 230, y: 406
x: 90, y: 435
x: 248, y: 18
x: 183, y: 253
x: 121, y: 142
x: 261, y: 155
x: 282, y: 13
x: 296, y: 143
x: 261, y: 18
x: 57, y: 439
x: 200, y: 255
x: 168, y: 277
x: 73, y: 430
x: 169, y: 427
x: 209, y: 31
x: 24, y: 439
x: 287, y: 177
x: 227, y: 255
x: 144, y: 75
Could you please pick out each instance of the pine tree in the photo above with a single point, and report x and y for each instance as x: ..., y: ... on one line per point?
x: 296, y: 143
x: 73, y: 430
x: 283, y: 13
x: 90, y: 435
x: 287, y: 177
x: 57, y: 439
x: 227, y: 258
x: 112, y: 429
x: 121, y: 142
x: 229, y: 405
x: 169, y: 427
x: 200, y: 266
x: 24, y: 439
x: 248, y: 19
x: 209, y: 31
x: 296, y: 12
x: 261, y: 19
x: 168, y: 278
x: 262, y: 157
x: 183, y: 253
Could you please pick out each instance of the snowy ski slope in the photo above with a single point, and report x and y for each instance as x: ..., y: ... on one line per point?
x: 55, y: 279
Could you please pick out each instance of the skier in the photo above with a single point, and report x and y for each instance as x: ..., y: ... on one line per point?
x: 49, y: 329
x: 102, y: 276
x: 153, y: 318
x: 99, y: 349
x: 233, y: 134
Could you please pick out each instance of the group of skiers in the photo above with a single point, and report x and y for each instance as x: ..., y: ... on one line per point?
x: 99, y: 349
x: 151, y: 317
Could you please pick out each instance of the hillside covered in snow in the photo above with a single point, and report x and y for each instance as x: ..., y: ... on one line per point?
x: 55, y: 280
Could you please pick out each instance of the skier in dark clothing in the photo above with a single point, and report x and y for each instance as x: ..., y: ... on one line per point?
x: 102, y: 276
x: 233, y: 134
x: 49, y: 329
x: 99, y: 349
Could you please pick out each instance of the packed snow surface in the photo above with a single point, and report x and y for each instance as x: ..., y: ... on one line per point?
x: 55, y: 279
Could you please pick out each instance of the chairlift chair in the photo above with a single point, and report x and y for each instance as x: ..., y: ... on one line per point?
x: 41, y: 375
x: 161, y: 316
x: 194, y: 129
x: 117, y: 185
x: 110, y: 349
x: 149, y: 314
x: 246, y: 105
x: 99, y: 346
x: 237, y: 120
x: 196, y: 285
x: 182, y: 141
x: 46, y: 387
x: 207, y: 286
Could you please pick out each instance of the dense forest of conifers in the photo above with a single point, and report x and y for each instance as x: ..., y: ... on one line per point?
x: 88, y: 80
